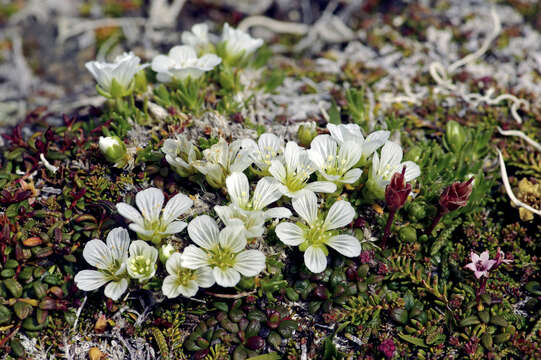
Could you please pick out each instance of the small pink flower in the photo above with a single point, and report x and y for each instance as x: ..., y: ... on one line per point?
x: 480, y: 265
x: 500, y: 258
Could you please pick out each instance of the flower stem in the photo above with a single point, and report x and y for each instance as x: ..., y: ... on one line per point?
x: 435, y: 222
x: 387, y: 231
x: 481, y: 290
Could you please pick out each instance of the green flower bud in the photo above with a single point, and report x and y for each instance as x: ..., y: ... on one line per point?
x: 455, y: 136
x: 306, y: 133
x: 165, y: 252
x: 113, y: 148
x: 416, y: 211
x: 408, y: 234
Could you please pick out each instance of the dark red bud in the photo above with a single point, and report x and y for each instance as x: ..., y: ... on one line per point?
x: 456, y: 196
x: 396, y: 193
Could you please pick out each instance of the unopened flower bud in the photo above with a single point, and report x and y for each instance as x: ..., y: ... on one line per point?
x: 306, y: 133
x: 165, y: 252
x: 113, y: 148
x: 396, y: 193
x: 455, y: 196
x: 455, y: 136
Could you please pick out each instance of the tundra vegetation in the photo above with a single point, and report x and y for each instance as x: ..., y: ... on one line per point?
x: 366, y: 186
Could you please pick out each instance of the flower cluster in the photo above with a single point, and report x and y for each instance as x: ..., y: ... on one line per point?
x: 286, y: 176
x: 116, y: 79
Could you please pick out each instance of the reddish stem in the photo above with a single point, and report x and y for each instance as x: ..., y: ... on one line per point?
x: 387, y: 231
x: 481, y: 290
x: 435, y: 222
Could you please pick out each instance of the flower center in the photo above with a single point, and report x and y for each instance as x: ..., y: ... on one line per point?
x: 222, y: 258
x: 296, y: 179
x: 479, y: 265
x: 316, y: 234
x: 184, y: 276
x: 334, y: 165
x: 140, y: 265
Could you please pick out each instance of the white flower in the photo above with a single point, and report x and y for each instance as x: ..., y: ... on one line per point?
x: 180, y: 153
x: 250, y: 211
x: 151, y: 223
x: 390, y: 163
x: 109, y: 259
x: 352, y: 132
x: 222, y: 159
x: 293, y: 172
x: 184, y: 281
x: 268, y: 147
x: 182, y: 62
x: 314, y: 236
x: 239, y: 43
x: 115, y: 79
x: 141, y: 264
x: 198, y: 37
x: 223, y: 251
x: 335, y: 162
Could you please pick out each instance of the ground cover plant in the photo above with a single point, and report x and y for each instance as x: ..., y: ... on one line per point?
x: 363, y: 184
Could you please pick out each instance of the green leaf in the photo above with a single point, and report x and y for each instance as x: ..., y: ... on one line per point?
x: 334, y: 114
x: 412, y: 339
x: 269, y: 356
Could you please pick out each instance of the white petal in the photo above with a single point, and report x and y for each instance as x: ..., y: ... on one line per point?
x: 340, y: 214
x: 315, y: 259
x: 266, y: 192
x: 250, y: 262
x: 412, y: 171
x: 97, y: 254
x: 204, y: 277
x: 170, y: 287
x: 150, y: 202
x: 182, y: 53
x: 241, y: 163
x: 141, y: 230
x: 306, y: 206
x: 232, y: 238
x: 88, y: 280
x: 321, y: 186
x: 325, y: 148
x: 175, y: 227
x: 391, y: 154
x: 189, y: 290
x: 204, y: 232
x: 175, y: 207
x: 277, y: 170
x: 225, y: 213
x: 194, y: 258
x: 351, y: 176
x: 346, y: 245
x: 226, y: 278
x: 162, y: 63
x: 130, y: 213
x: 118, y: 240
x: 374, y: 141
x: 291, y: 155
x: 238, y: 188
x: 174, y: 264
x: 278, y: 213
x: 138, y: 247
x: 290, y: 234
x: 348, y: 155
x: 115, y: 289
